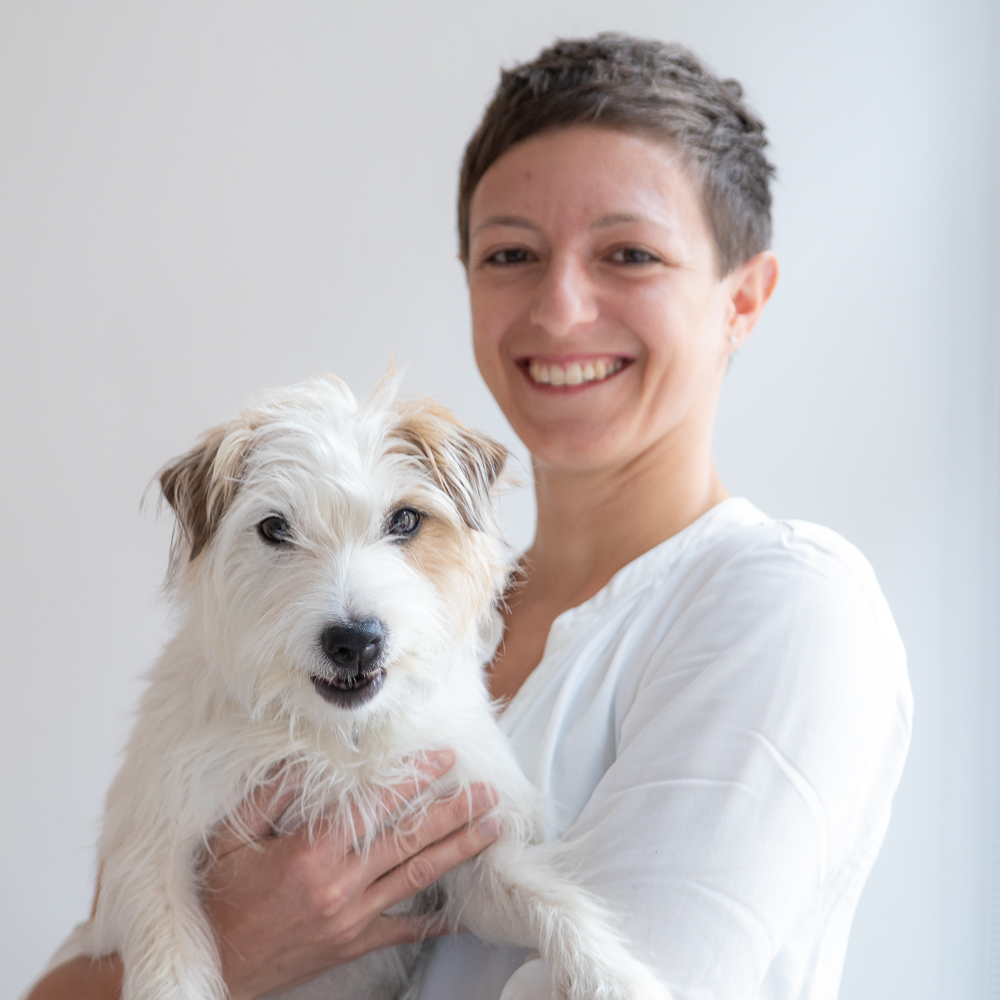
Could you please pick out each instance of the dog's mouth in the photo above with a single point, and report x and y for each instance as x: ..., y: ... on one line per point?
x: 349, y: 692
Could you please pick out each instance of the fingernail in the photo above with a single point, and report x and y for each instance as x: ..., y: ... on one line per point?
x: 440, y: 760
x: 490, y: 827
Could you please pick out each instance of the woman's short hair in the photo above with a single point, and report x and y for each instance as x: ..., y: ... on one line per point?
x: 647, y: 87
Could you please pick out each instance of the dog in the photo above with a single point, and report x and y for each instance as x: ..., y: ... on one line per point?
x: 337, y: 568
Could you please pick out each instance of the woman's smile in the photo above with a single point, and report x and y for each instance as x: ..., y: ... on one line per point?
x: 570, y: 373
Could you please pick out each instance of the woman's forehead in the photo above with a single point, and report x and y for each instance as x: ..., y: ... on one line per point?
x: 586, y: 178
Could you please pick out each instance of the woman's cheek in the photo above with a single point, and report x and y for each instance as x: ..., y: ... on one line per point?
x: 491, y: 368
x: 488, y: 328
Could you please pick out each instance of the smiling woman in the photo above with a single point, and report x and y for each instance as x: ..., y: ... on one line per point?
x: 715, y: 704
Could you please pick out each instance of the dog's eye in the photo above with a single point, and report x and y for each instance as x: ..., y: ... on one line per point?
x: 404, y: 521
x: 275, y: 529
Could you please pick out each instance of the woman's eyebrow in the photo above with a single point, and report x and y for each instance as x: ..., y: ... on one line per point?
x: 618, y: 219
x: 512, y: 221
x: 605, y: 221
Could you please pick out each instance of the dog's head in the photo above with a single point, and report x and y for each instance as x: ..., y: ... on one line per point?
x: 334, y: 557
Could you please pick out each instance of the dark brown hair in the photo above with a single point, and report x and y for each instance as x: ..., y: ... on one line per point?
x: 641, y: 86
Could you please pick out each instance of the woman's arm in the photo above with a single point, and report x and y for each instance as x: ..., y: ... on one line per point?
x: 757, y: 754
x: 756, y: 720
x: 81, y: 978
x: 288, y: 908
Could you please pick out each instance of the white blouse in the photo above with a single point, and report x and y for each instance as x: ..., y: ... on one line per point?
x: 726, y: 722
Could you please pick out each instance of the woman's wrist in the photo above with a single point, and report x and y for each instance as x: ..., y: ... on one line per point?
x: 85, y: 978
x: 81, y: 978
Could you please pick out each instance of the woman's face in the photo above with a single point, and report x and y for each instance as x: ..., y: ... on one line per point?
x: 599, y: 320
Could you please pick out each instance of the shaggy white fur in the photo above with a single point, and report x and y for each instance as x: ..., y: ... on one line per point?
x: 306, y: 516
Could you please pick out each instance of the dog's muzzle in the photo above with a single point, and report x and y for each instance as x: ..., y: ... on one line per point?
x: 355, y: 653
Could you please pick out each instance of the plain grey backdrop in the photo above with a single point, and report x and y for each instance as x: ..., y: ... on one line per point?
x: 201, y: 199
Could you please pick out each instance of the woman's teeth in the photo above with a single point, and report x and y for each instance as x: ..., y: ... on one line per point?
x: 574, y: 373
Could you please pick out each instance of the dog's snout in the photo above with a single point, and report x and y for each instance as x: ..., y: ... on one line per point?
x: 356, y: 647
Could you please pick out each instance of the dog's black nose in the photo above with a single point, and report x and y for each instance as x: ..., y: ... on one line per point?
x: 356, y: 647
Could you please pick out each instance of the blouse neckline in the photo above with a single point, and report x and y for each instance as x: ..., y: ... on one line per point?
x: 633, y: 577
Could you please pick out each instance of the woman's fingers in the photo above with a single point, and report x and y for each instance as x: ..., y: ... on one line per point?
x: 257, y: 815
x: 440, y: 818
x: 260, y: 812
x: 427, y: 865
x: 430, y: 766
x: 384, y: 932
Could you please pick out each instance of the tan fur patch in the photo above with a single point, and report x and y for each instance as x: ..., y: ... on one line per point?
x: 463, y: 462
x: 201, y: 484
x: 454, y: 559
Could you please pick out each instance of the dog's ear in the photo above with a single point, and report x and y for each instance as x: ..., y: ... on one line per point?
x: 200, y: 486
x: 465, y: 463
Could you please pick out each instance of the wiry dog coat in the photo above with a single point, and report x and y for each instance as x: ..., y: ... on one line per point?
x: 337, y: 570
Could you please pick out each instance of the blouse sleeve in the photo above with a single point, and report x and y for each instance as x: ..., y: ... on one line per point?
x: 758, y: 747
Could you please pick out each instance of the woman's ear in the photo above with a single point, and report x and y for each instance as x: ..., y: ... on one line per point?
x: 463, y: 462
x: 749, y: 287
x: 200, y: 486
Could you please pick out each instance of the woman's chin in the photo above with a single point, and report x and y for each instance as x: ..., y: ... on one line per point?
x: 578, y: 450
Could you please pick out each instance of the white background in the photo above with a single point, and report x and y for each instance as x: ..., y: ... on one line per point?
x: 201, y: 199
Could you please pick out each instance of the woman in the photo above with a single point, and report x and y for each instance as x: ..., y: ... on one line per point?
x: 714, y: 704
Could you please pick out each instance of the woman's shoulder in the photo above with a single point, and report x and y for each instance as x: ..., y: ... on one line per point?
x: 789, y: 596
x: 764, y: 658
x: 774, y: 628
x: 742, y: 550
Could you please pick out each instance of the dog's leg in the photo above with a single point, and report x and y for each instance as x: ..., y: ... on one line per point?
x: 516, y: 895
x: 149, y: 911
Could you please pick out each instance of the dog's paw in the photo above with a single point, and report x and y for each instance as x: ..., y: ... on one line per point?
x: 628, y: 981
x: 640, y: 984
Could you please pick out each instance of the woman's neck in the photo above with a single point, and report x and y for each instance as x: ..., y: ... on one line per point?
x: 591, y: 524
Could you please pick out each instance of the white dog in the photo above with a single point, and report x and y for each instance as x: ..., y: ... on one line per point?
x: 337, y: 569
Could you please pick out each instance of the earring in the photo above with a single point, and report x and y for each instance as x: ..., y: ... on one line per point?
x: 733, y: 339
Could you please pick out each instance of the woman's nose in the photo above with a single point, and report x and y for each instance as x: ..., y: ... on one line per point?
x: 564, y: 298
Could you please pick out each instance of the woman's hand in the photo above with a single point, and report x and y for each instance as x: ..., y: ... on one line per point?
x: 286, y: 908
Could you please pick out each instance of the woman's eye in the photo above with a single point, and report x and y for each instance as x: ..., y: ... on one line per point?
x: 633, y: 255
x: 512, y: 255
x: 275, y: 530
x: 404, y: 521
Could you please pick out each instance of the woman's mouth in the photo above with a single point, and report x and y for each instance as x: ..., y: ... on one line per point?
x: 574, y: 372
